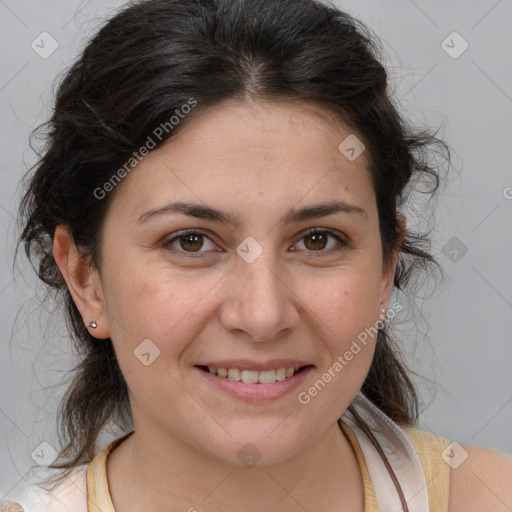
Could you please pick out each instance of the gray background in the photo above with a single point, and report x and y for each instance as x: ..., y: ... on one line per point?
x: 461, y: 346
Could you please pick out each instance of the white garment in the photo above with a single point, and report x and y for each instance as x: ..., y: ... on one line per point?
x: 71, y: 495
x: 400, y: 453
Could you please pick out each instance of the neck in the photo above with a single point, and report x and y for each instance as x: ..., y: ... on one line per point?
x: 150, y: 467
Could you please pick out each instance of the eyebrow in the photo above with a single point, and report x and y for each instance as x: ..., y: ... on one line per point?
x: 201, y: 211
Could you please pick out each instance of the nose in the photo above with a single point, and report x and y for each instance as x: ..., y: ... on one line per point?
x: 260, y: 301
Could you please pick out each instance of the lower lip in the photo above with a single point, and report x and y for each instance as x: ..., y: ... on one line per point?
x: 256, y: 392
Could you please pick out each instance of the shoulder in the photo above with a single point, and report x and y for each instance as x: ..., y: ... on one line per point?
x: 69, y: 494
x: 469, y: 478
x: 483, y: 481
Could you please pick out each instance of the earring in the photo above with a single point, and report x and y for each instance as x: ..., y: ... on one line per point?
x: 383, y: 321
x: 92, y: 324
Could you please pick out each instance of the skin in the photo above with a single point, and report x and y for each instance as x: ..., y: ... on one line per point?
x: 258, y: 161
x: 482, y: 482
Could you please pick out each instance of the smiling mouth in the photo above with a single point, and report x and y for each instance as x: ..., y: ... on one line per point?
x: 252, y: 376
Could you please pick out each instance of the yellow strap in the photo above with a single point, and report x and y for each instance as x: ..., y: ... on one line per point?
x: 11, y: 506
x: 437, y: 471
x: 370, y: 500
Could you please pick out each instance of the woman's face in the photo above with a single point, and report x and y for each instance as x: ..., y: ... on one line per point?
x: 249, y: 289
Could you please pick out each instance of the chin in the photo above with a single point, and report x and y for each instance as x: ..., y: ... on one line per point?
x: 253, y: 449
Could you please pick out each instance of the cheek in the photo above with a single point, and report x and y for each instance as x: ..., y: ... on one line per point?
x: 346, y: 308
x: 157, y: 305
x: 346, y: 302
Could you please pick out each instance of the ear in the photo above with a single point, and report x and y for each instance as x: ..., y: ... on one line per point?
x: 389, y: 269
x: 83, y: 281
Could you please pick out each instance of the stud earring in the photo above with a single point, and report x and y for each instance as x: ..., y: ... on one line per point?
x: 383, y: 321
x: 92, y: 324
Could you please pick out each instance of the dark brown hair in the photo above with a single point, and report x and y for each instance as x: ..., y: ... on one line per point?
x: 139, y: 69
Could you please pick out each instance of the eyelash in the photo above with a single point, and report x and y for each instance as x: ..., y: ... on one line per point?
x: 196, y: 231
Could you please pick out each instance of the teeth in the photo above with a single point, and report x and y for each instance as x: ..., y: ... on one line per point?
x: 235, y: 374
x: 281, y: 374
x: 249, y: 377
x: 254, y: 377
x: 267, y: 377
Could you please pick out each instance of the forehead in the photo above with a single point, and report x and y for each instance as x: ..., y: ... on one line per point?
x: 276, y: 153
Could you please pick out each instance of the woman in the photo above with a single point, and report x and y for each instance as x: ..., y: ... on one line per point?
x: 219, y: 205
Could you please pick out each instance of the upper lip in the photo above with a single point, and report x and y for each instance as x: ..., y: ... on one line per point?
x: 247, y: 364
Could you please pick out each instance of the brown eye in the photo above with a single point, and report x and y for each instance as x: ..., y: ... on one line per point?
x: 190, y: 241
x: 317, y: 240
